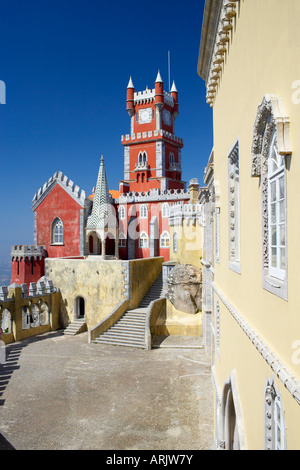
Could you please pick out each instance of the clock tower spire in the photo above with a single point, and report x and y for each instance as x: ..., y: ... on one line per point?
x: 152, y: 151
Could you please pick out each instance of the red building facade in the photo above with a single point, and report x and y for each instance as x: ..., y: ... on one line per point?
x: 65, y: 218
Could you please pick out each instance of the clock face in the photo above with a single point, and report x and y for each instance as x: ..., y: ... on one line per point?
x: 145, y: 115
x: 167, y: 117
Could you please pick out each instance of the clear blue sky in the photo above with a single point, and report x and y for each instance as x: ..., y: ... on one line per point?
x: 66, y: 66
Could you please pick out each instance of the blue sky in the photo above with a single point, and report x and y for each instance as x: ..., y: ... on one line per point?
x: 66, y: 66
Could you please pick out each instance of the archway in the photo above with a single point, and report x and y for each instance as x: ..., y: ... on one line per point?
x: 79, y: 307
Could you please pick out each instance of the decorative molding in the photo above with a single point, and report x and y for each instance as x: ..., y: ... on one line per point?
x: 285, y: 375
x: 270, y: 117
x: 218, y: 27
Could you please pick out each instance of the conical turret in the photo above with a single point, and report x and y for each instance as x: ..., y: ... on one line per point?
x: 99, y: 214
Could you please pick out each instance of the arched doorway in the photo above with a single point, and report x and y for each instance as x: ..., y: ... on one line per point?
x: 94, y: 244
x: 79, y: 307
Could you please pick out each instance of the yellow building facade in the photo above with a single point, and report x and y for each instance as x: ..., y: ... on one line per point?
x: 248, y: 59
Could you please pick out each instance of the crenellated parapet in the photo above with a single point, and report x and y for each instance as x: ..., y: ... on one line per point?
x: 78, y: 194
x: 154, y: 195
x: 185, y: 212
x: 151, y: 135
x: 28, y: 251
x: 148, y: 96
x: 28, y: 311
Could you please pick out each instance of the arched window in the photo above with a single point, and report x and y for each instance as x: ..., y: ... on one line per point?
x: 121, y: 212
x: 175, y: 242
x: 5, y: 322
x: 277, y: 212
x: 165, y: 240
x: 171, y: 160
x: 57, y: 232
x: 34, y: 316
x: 143, y: 240
x: 270, y: 147
x: 44, y: 314
x: 165, y: 210
x: 143, y: 211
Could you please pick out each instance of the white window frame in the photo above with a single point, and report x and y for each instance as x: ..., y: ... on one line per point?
x: 277, y: 209
x: 165, y: 239
x: 143, y: 212
x: 165, y: 211
x: 143, y: 240
x: 122, y: 240
x: 57, y: 237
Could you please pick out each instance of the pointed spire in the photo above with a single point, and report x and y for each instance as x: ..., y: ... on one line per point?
x: 158, y: 78
x: 100, y: 201
x: 130, y: 84
x: 173, y: 89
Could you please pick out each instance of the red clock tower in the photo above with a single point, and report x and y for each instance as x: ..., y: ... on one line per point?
x: 152, y: 151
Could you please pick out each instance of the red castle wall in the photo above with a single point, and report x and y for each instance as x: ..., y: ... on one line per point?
x: 59, y: 203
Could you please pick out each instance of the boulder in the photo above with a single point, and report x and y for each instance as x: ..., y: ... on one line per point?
x: 185, y: 288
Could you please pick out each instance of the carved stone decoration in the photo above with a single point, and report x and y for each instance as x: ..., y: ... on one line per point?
x: 270, y: 117
x: 185, y: 288
x: 233, y: 203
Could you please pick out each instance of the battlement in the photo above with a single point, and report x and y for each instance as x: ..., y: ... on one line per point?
x: 153, y: 195
x: 23, y: 251
x: 188, y: 212
x: 148, y: 96
x: 132, y: 138
x: 78, y: 194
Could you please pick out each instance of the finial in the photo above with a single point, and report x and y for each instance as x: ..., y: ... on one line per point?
x: 130, y: 84
x: 174, y: 89
x: 158, y: 78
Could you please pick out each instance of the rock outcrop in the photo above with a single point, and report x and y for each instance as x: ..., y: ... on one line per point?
x: 185, y: 288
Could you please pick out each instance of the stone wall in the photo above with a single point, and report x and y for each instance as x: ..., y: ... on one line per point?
x: 103, y: 284
x: 28, y: 312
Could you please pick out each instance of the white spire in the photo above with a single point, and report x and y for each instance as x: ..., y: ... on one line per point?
x: 174, y: 89
x: 158, y: 78
x: 99, y: 213
x: 130, y: 84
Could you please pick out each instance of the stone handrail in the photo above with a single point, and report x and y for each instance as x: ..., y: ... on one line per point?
x: 155, y: 308
x: 108, y: 321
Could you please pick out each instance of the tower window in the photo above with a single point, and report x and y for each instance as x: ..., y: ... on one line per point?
x: 143, y: 211
x: 57, y: 232
x: 121, y: 212
x: 143, y: 240
x: 165, y: 210
x: 165, y: 240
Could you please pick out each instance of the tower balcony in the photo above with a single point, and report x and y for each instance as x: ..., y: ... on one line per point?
x: 141, y: 166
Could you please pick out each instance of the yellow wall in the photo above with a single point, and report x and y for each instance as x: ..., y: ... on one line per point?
x: 103, y: 284
x: 262, y: 59
x: 189, y: 243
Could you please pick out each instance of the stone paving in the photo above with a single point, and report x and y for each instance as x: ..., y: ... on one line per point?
x: 62, y: 393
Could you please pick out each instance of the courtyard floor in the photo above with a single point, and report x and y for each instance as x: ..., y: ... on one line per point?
x: 62, y: 393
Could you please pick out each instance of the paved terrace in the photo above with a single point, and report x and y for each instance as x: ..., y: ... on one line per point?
x: 62, y: 393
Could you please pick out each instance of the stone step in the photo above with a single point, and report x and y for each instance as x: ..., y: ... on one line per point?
x: 124, y: 336
x: 120, y: 343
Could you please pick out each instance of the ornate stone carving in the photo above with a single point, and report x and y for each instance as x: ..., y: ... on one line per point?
x: 270, y: 117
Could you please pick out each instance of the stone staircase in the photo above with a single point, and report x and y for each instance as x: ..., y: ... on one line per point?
x: 129, y: 330
x: 75, y: 327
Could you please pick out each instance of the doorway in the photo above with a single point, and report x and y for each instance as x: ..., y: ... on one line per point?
x: 80, y: 307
